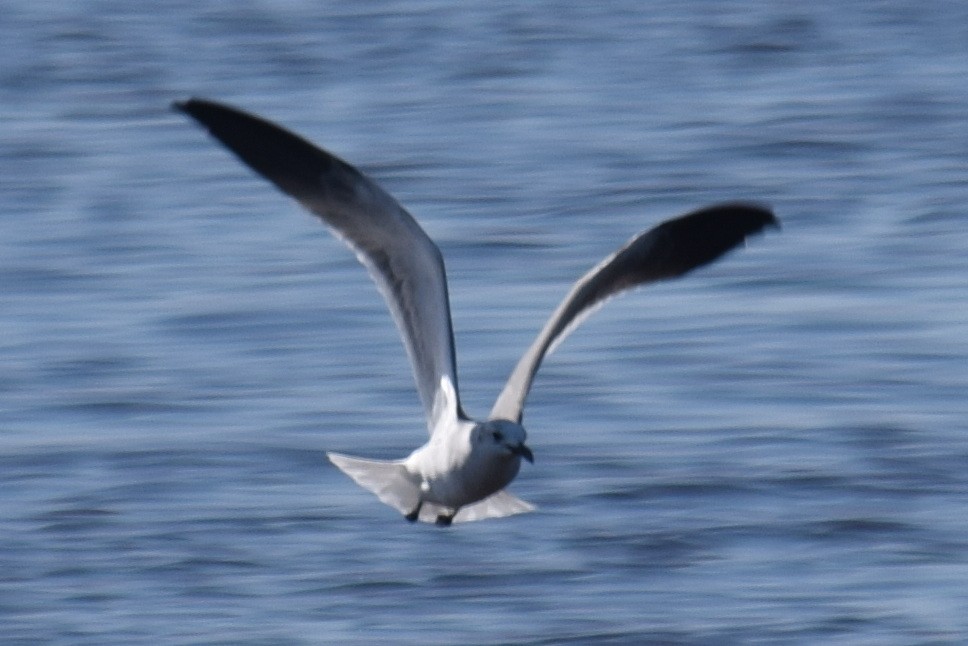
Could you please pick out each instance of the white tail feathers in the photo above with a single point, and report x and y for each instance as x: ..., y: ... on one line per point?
x: 496, y: 505
x: 396, y: 487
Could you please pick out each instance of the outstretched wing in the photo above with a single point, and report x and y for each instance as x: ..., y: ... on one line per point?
x: 671, y: 249
x: 405, y: 264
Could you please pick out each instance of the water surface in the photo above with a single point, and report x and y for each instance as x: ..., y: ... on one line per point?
x: 772, y: 450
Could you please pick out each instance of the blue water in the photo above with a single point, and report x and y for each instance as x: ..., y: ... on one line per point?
x: 773, y: 450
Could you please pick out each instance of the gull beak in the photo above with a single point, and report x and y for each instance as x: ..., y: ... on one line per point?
x: 523, y: 451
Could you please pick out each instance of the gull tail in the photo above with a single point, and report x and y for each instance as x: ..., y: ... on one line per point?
x: 388, y: 479
x: 496, y: 505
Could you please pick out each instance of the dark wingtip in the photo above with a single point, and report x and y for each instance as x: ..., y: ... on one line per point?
x: 741, y: 218
x: 186, y: 105
x: 700, y: 237
x: 767, y: 215
x: 206, y: 111
x: 752, y: 216
x: 294, y: 164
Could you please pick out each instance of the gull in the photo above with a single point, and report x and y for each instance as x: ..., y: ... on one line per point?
x: 460, y: 474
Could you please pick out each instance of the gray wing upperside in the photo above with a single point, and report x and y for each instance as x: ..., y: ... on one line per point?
x: 669, y: 250
x: 403, y: 261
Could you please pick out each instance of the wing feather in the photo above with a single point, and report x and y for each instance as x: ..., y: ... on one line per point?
x: 669, y: 250
x: 403, y: 261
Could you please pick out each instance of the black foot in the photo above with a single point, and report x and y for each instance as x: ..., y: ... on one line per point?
x: 415, y: 514
x: 444, y: 521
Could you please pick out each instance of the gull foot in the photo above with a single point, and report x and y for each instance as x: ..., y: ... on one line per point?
x: 444, y: 520
x: 415, y: 514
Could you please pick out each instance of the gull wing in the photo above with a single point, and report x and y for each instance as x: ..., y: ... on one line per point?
x: 669, y: 250
x: 405, y: 264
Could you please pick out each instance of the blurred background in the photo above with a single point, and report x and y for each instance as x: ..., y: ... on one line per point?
x: 771, y: 450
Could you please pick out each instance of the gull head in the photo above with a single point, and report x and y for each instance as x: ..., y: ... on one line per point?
x: 504, y: 438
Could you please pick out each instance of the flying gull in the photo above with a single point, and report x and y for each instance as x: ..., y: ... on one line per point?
x: 460, y: 474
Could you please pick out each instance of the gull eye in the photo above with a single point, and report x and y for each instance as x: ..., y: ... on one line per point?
x: 497, y: 435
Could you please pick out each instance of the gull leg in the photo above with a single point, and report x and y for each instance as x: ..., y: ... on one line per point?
x: 444, y: 520
x: 415, y: 514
